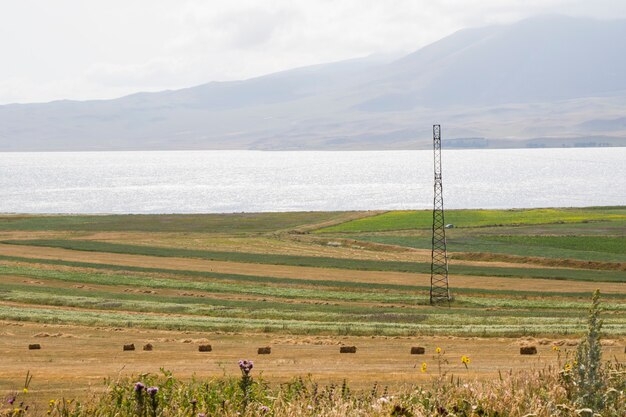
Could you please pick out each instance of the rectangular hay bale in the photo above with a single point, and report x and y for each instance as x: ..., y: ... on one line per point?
x: 528, y: 350
x: 417, y: 350
x: 347, y: 349
x: 264, y: 350
x: 34, y: 346
x: 205, y: 348
x: 129, y: 347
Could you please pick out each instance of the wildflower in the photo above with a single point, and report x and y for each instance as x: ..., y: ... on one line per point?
x: 555, y: 348
x: 25, y: 390
x: 567, y: 367
x: 264, y: 409
x: 11, y: 400
x: 383, y: 400
x: 423, y: 366
x: 245, y: 366
x: 201, y: 415
x: 152, y: 391
x: 139, y: 387
x: 438, y: 350
x: 193, y: 401
x: 465, y: 360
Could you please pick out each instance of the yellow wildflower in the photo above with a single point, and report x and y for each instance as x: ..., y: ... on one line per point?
x: 555, y: 348
x: 465, y: 360
x: 423, y: 366
x: 567, y: 367
x: 438, y: 350
x: 25, y: 390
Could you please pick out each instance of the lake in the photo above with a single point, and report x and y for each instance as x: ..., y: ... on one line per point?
x: 256, y: 181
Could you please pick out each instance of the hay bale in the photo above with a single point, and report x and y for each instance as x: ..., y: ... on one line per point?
x: 347, y: 349
x: 264, y: 350
x: 528, y: 350
x: 129, y: 347
x: 34, y: 346
x: 205, y: 348
x: 417, y: 350
x: 148, y: 347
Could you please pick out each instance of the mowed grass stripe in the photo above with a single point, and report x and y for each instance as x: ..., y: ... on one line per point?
x: 537, y: 326
x: 212, y: 305
x: 216, y: 286
x: 174, y: 305
x: 308, y: 294
x: 255, y: 279
x: 274, y: 312
x: 323, y: 262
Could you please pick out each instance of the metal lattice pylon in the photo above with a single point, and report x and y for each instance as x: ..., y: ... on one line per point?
x: 439, y: 291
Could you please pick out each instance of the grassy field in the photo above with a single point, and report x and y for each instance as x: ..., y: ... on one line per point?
x: 303, y: 283
x: 405, y: 220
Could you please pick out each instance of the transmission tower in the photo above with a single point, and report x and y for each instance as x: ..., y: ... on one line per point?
x: 439, y: 291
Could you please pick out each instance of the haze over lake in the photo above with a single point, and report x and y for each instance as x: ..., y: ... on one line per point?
x: 255, y: 181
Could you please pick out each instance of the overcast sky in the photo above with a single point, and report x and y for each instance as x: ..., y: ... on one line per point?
x: 81, y: 49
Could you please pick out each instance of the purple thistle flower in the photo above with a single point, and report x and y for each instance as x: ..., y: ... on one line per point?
x: 139, y: 387
x: 245, y: 366
x: 152, y: 391
x: 11, y: 400
x: 201, y: 415
x: 264, y: 409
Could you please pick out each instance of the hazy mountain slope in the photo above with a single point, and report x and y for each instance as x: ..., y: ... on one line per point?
x: 545, y: 77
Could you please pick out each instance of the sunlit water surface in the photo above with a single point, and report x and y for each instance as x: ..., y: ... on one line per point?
x: 254, y: 181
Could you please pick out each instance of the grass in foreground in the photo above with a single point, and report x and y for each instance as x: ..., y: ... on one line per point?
x: 581, y: 385
x: 540, y: 393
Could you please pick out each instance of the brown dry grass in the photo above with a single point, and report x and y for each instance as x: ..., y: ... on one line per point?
x: 91, y: 354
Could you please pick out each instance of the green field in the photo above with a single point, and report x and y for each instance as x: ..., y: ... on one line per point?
x: 407, y: 220
x: 304, y: 284
x: 151, y: 291
x: 213, y: 223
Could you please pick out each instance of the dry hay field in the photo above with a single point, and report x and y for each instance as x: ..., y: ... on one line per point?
x: 304, y: 284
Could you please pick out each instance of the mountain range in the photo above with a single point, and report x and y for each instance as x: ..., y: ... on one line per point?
x: 548, y: 81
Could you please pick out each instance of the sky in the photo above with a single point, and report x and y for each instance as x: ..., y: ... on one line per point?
x: 98, y: 49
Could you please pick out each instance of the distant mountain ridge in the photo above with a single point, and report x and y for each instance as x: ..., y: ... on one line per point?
x: 545, y: 81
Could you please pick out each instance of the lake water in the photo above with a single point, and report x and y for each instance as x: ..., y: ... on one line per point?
x: 255, y: 181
